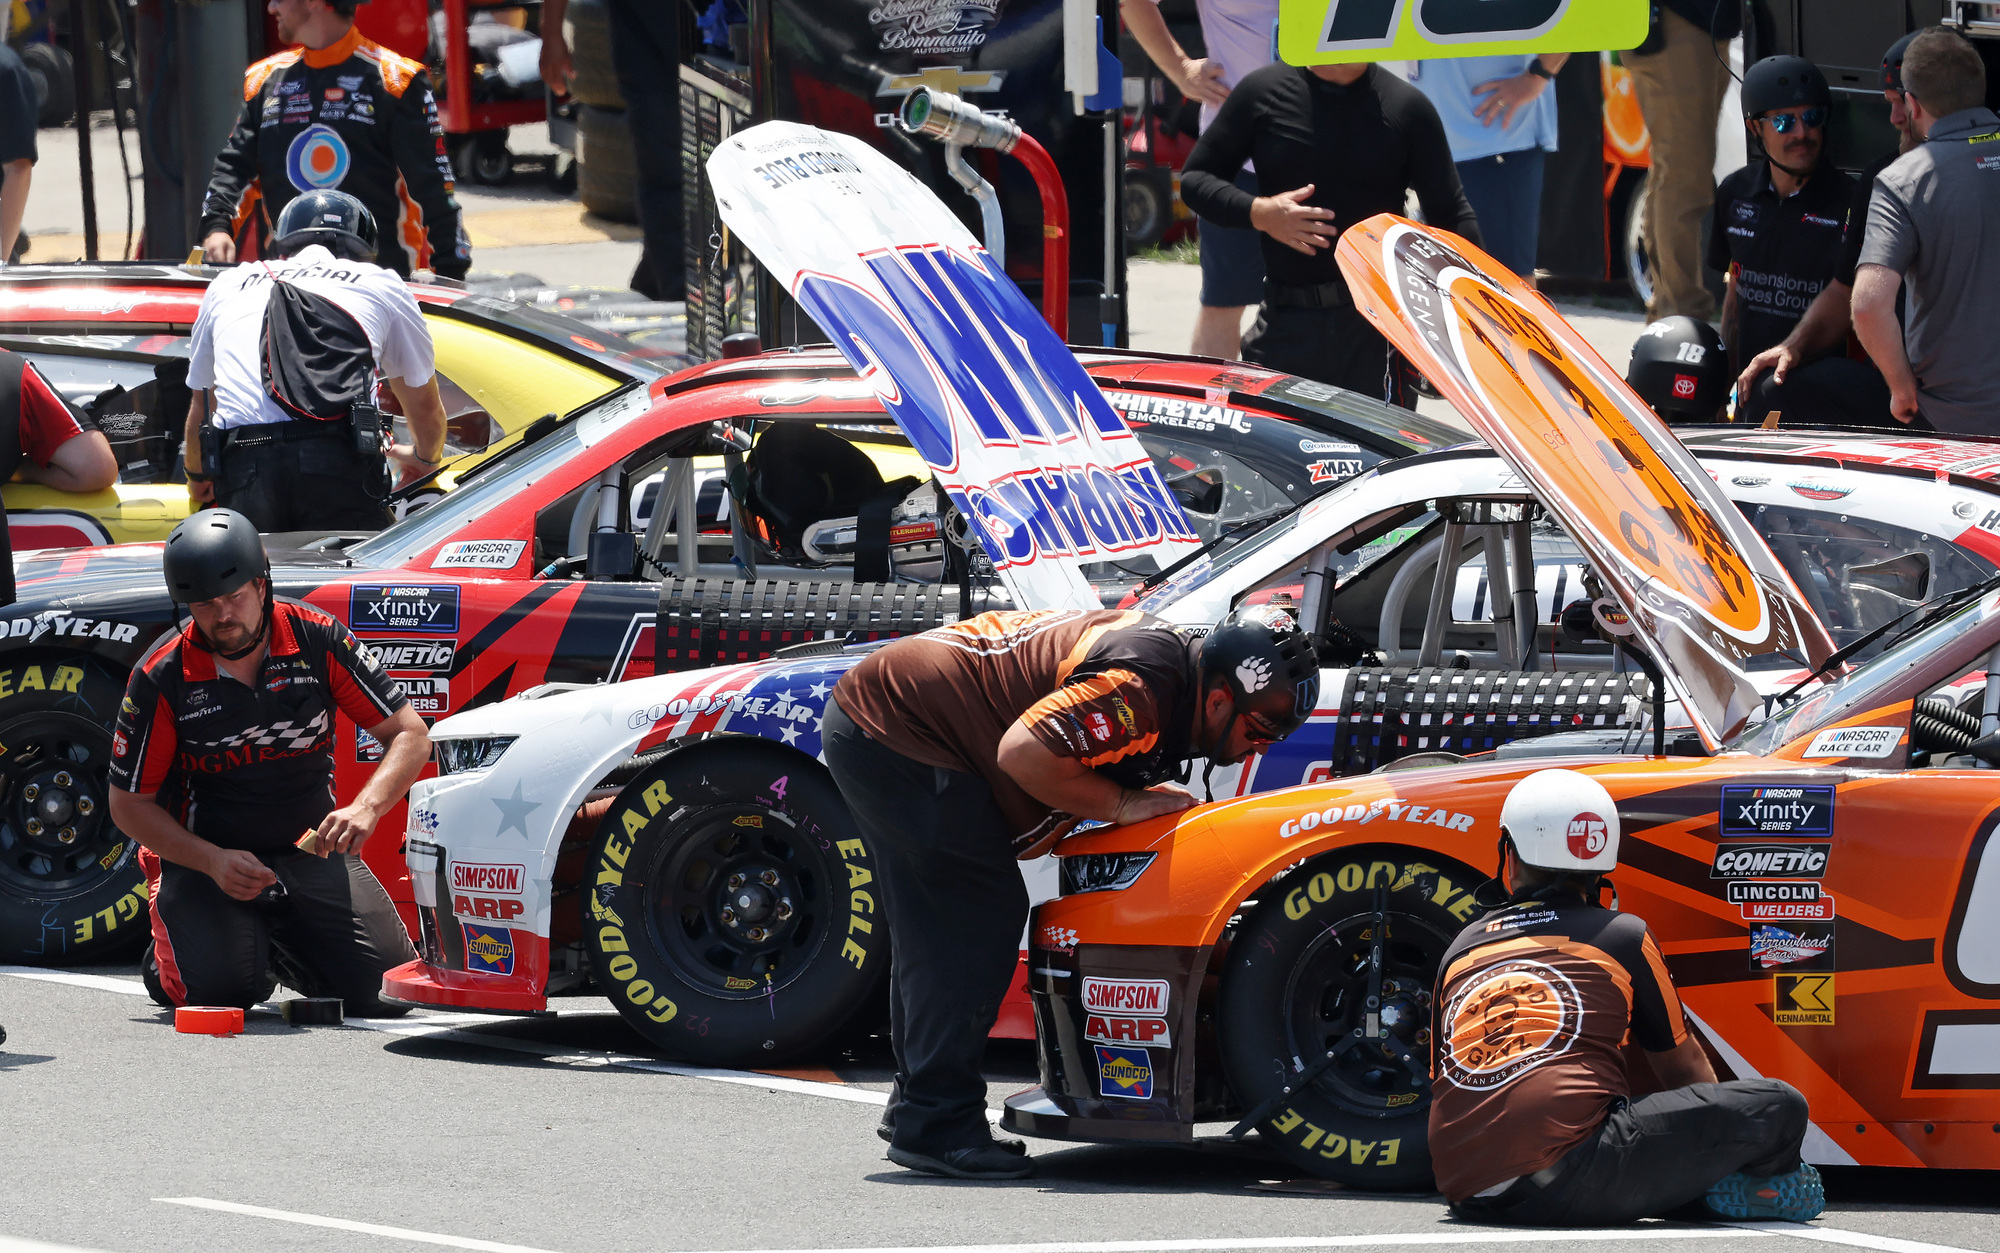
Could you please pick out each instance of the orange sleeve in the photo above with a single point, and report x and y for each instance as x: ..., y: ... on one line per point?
x: 1097, y: 719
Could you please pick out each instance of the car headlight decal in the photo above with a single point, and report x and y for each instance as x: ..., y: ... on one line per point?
x: 1102, y: 872
x: 460, y: 756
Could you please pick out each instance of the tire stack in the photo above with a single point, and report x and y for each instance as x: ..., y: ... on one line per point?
x: 606, y: 173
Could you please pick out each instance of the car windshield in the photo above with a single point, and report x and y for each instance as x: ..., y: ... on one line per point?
x: 508, y: 474
x: 632, y: 359
x: 1854, y: 691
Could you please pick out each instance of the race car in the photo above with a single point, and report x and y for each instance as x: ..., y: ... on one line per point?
x: 1819, y: 880
x: 517, y: 579
x: 113, y: 339
x: 680, y: 848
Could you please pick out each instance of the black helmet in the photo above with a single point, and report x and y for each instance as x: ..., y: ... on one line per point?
x: 1892, y: 63
x: 1268, y: 663
x: 211, y: 554
x: 1680, y: 368
x: 333, y: 218
x: 1783, y: 83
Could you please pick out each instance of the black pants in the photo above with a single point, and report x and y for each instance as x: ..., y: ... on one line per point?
x: 1336, y: 346
x: 331, y: 932
x: 1832, y: 391
x: 314, y: 484
x: 956, y: 906
x: 1656, y: 1154
x: 646, y: 55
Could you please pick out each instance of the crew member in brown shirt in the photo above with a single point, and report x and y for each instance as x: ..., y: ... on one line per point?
x: 1533, y: 1120
x: 964, y: 748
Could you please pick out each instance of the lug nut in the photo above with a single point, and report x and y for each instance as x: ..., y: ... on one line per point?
x: 34, y: 826
x: 62, y: 778
x: 769, y: 878
x: 85, y: 806
x: 735, y: 881
x: 757, y: 934
x: 784, y: 910
x: 30, y: 792
x: 67, y: 835
x: 728, y: 916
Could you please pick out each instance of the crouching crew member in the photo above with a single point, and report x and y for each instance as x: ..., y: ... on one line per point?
x: 290, y: 435
x: 223, y: 760
x: 1533, y: 1120
x: 965, y: 748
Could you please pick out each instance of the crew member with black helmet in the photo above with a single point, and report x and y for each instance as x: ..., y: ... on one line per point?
x: 1533, y: 1120
x: 1813, y: 374
x: 284, y: 426
x: 965, y: 748
x: 222, y: 764
x: 1777, y: 224
x: 1681, y: 369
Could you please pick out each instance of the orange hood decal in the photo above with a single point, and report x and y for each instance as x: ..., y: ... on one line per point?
x: 1701, y: 587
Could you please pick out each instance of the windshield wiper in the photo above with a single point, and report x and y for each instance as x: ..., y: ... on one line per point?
x: 1942, y: 604
x: 1242, y: 530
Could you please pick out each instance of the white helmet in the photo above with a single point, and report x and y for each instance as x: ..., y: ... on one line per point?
x: 1562, y: 820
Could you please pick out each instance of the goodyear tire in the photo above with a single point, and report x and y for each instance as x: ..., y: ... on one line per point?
x: 731, y: 910
x: 593, y: 78
x: 70, y: 885
x: 1294, y: 986
x: 607, y: 178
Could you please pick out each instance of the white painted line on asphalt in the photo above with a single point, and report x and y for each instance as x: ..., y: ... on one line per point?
x: 103, y: 983
x: 1857, y: 1239
x: 348, y: 1224
x: 9, y: 1244
x: 1490, y: 1235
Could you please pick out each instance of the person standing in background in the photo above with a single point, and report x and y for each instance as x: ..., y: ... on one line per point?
x: 1241, y: 36
x: 1500, y: 115
x: 1681, y: 74
x: 17, y: 146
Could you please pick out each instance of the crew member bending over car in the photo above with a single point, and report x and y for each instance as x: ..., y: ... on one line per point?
x: 222, y: 762
x: 965, y: 748
x: 1533, y: 1120
x: 283, y: 426
x: 44, y: 440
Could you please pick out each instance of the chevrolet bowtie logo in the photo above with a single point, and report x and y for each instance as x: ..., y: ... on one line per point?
x: 942, y: 78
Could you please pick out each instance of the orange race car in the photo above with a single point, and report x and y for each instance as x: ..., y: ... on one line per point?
x: 1819, y: 880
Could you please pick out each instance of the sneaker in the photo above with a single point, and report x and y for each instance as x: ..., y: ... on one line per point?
x: 1796, y: 1197
x: 987, y: 1161
x: 1017, y: 1147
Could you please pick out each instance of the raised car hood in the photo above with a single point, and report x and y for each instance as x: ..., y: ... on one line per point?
x: 1017, y: 434
x: 1701, y: 588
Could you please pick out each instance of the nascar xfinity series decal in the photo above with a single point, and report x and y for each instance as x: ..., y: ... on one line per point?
x: 1126, y: 1073
x: 419, y: 610
x: 1777, y: 810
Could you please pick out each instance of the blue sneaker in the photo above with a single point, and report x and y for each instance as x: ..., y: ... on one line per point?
x: 1796, y: 1197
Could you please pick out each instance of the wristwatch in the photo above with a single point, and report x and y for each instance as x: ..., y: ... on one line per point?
x: 1539, y: 70
x: 196, y: 476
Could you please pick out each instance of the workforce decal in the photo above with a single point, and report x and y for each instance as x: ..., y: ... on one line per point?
x: 1124, y: 1073
x: 488, y: 950
x: 1802, y: 1000
x: 1777, y: 810
x: 1769, y: 861
x: 317, y: 159
x: 420, y: 610
x: 1509, y: 1020
x: 1807, y: 946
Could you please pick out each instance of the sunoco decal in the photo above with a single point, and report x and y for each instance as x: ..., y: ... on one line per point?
x: 1806, y: 946
x: 394, y: 607
x: 1855, y: 742
x: 488, y: 950
x: 1777, y: 810
x: 1126, y: 1073
x: 1125, y: 996
x: 1769, y: 861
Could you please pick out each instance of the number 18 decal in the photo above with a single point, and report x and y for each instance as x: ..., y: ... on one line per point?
x: 1348, y: 26
x: 1373, y: 23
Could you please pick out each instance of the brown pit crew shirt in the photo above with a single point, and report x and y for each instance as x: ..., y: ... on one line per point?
x: 1534, y: 1005
x: 1114, y: 689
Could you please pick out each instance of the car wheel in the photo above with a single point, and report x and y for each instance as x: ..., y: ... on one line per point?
x: 1147, y: 213
x: 731, y: 910
x: 1294, y: 987
x: 491, y: 163
x: 607, y: 179
x: 54, y: 80
x: 593, y: 77
x: 70, y: 885
x: 1638, y: 270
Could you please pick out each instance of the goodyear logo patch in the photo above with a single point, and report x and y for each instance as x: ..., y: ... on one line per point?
x: 488, y: 950
x: 1125, y: 1073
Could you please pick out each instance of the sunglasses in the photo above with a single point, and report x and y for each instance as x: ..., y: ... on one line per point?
x: 1259, y: 732
x: 1814, y: 118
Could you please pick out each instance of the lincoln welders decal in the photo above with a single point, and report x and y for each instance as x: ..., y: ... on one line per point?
x: 1769, y: 861
x: 1125, y: 1073
x: 1777, y: 810
x: 420, y: 609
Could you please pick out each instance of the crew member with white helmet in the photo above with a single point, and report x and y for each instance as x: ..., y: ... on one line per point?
x: 1533, y: 1120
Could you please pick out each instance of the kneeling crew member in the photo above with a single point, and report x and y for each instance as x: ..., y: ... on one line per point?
x: 223, y: 757
x: 965, y: 748
x: 290, y: 350
x: 1533, y: 1121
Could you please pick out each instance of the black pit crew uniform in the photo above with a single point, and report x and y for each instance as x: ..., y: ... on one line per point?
x: 253, y: 769
x: 1362, y: 146
x: 1534, y: 1121
x: 1778, y: 251
x: 352, y: 116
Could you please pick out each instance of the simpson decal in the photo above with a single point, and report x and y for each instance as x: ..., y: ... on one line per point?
x: 1126, y: 996
x: 479, y: 554
x: 1769, y: 861
x: 1125, y: 1073
x: 419, y: 610
x: 493, y: 878
x: 1510, y: 1020
x: 488, y: 950
x: 1855, y: 742
x: 1107, y: 1029
x: 1777, y: 810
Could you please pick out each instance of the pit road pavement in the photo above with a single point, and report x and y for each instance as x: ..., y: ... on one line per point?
x: 571, y: 1136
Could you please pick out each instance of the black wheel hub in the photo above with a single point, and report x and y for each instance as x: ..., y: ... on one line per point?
x: 740, y: 900
x: 1326, y: 1001
x: 55, y: 823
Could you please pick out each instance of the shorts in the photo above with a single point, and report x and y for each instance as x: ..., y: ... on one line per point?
x: 1232, y: 260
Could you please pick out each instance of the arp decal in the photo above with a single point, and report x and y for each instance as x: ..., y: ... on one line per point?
x: 1855, y: 742
x: 1802, y: 1000
x: 1125, y: 996
x: 488, y: 950
x: 1777, y: 810
x: 1125, y: 1073
x: 1106, y: 1029
x: 419, y: 609
x: 499, y: 909
x: 1802, y: 946
x: 1769, y: 861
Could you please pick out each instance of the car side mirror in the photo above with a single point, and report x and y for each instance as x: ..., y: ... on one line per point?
x: 612, y: 555
x: 1986, y: 748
